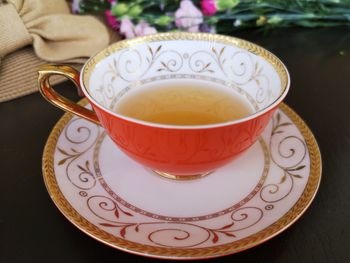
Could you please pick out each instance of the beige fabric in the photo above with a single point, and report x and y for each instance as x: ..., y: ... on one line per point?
x: 14, y: 34
x: 55, y: 36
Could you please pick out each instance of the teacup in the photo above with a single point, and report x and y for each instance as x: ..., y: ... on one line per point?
x: 175, y: 151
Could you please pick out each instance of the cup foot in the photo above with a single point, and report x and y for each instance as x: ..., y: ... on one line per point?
x: 181, y: 177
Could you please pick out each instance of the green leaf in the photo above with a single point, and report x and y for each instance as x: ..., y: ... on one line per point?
x: 226, y: 4
x: 275, y: 20
x: 120, y: 9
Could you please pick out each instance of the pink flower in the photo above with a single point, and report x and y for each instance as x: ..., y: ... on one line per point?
x: 112, y: 20
x: 188, y: 16
x: 208, y: 7
x: 143, y: 29
x: 128, y: 29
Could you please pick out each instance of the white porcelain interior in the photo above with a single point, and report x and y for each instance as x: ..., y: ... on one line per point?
x: 163, y: 62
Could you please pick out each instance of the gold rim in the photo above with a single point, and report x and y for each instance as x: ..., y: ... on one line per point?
x: 194, y: 253
x: 181, y: 177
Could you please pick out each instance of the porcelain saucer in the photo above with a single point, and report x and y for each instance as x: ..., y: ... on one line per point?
x: 129, y: 207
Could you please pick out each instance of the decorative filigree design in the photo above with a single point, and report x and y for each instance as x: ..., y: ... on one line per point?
x: 233, y: 207
x: 264, y: 92
x: 153, y: 54
x: 241, y: 219
x: 106, y: 91
x: 271, y: 193
x: 201, y: 61
x: 179, y: 233
x: 218, y: 57
x: 129, y: 64
x: 230, y: 245
x: 173, y: 63
x: 87, y: 136
x: 106, y: 204
x: 236, y: 66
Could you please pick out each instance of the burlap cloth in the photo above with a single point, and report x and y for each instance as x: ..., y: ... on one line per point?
x: 35, y: 32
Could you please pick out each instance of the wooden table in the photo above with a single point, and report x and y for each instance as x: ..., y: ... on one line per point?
x: 33, y: 230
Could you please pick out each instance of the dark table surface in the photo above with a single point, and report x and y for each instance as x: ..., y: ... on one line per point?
x: 33, y: 230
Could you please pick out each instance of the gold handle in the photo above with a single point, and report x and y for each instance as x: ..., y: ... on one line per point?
x: 58, y: 100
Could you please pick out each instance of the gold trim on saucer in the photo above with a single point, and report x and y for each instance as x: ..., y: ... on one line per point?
x: 184, y: 253
x: 181, y: 177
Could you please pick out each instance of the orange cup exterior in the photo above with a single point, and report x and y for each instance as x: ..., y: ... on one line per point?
x: 182, y: 151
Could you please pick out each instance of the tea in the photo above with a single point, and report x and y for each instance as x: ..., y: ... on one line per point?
x: 183, y: 105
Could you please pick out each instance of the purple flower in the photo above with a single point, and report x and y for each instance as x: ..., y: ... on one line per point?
x: 129, y: 30
x: 75, y: 6
x: 206, y: 28
x: 188, y: 16
x: 208, y: 7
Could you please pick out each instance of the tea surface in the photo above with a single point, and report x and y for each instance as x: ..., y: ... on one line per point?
x: 183, y: 105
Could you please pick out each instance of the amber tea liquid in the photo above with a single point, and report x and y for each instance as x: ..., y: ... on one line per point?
x: 183, y: 105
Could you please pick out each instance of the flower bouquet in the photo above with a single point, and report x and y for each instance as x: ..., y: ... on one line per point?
x: 142, y: 17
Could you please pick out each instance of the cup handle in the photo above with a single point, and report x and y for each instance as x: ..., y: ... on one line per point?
x: 58, y: 100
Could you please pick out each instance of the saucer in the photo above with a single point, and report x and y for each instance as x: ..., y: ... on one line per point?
x: 129, y: 207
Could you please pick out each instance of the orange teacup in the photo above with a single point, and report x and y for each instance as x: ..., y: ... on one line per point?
x: 177, y: 151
